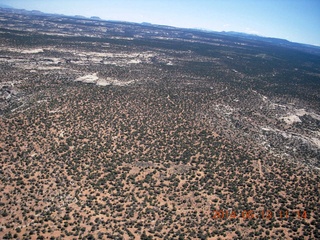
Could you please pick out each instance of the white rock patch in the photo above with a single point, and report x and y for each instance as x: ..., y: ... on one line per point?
x: 291, y: 119
x: 38, y: 50
x: 93, y: 78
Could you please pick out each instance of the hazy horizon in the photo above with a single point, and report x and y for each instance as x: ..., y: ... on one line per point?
x: 293, y: 20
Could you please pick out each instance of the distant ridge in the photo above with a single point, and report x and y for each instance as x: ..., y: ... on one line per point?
x: 271, y: 40
x: 5, y: 6
x: 146, y: 24
x: 277, y: 41
x: 95, y: 18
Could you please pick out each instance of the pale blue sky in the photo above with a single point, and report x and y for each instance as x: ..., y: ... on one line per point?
x: 295, y: 20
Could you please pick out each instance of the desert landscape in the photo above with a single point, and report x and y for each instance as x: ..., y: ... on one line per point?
x: 114, y: 130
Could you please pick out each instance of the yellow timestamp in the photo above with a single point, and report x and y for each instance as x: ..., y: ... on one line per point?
x: 261, y: 214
